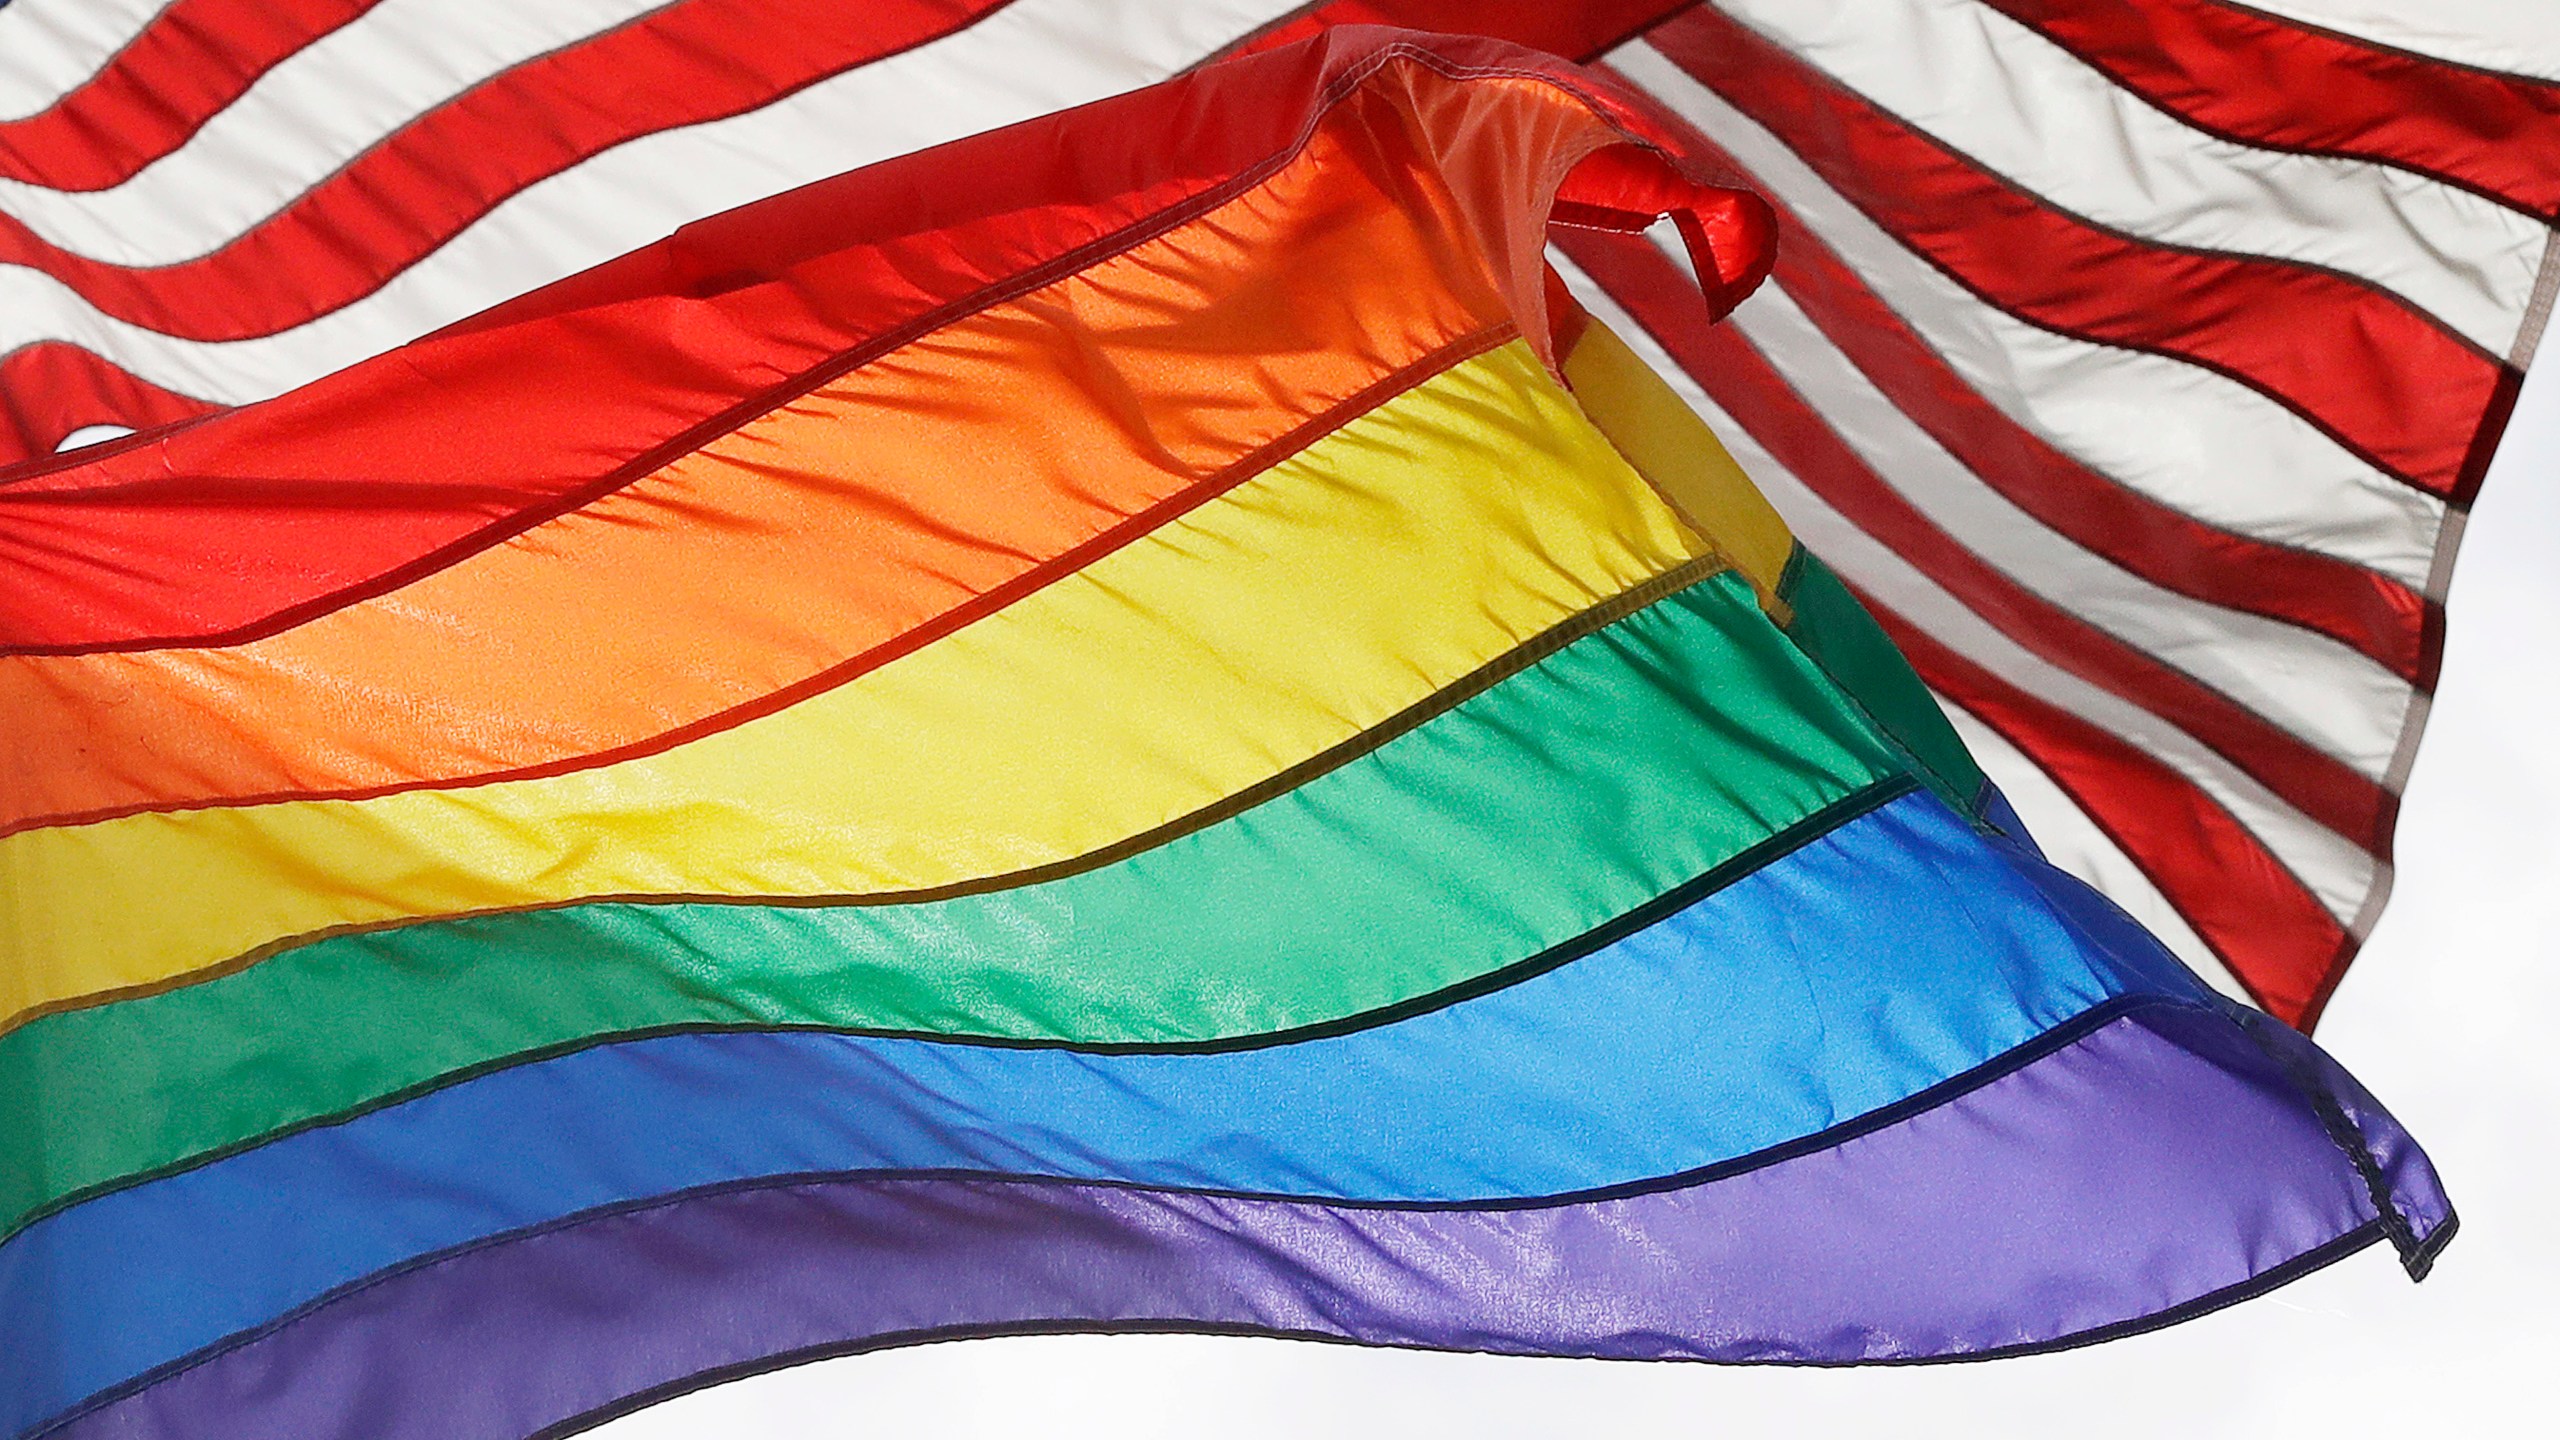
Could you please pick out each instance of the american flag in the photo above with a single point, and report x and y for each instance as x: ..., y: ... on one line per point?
x: 2135, y: 360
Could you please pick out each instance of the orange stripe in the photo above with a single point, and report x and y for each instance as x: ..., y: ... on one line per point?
x: 789, y: 549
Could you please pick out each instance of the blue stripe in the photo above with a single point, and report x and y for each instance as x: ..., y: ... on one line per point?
x: 1867, y: 965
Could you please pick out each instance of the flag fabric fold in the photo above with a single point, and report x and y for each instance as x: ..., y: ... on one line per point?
x: 1140, y: 721
x: 2038, y: 372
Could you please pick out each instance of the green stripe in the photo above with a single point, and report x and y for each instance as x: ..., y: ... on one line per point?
x: 1837, y: 632
x: 1610, y: 772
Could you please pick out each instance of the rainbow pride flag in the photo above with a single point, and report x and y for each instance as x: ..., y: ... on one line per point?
x: 1131, y: 723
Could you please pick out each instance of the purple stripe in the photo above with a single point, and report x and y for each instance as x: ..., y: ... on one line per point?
x: 2156, y: 1162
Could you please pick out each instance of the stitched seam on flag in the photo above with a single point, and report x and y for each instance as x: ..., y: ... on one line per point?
x: 2491, y: 426
x: 1475, y: 682
x: 2027, y: 16
x: 1822, y: 823
x: 2327, y: 430
x: 2377, y: 894
x: 1776, y: 607
x: 2537, y: 311
x: 1788, y: 578
x: 2518, y: 77
x: 1021, y: 585
x: 2424, y: 1260
x: 2060, y: 1036
x: 772, y: 397
x: 2342, y: 1132
x: 1255, y: 36
x: 1885, y: 737
x: 2320, y: 1257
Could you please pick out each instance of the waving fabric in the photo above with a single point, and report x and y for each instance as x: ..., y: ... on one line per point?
x: 2135, y: 360
x: 1139, y: 721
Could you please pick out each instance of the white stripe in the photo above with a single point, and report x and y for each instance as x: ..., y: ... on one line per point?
x: 2077, y: 847
x: 2186, y: 437
x: 303, y: 121
x: 47, y: 47
x: 2322, y: 692
x: 1030, y: 58
x: 2026, y: 109
x: 2335, y: 871
x: 2519, y: 36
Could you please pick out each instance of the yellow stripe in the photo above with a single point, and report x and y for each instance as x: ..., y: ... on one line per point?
x: 1387, y: 561
x: 1671, y: 447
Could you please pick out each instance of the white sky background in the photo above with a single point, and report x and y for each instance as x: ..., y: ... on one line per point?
x: 2447, y: 1017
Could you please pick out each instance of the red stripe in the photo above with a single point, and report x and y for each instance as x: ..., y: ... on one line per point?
x: 2373, y: 613
x: 50, y: 389
x: 219, y: 532
x: 1580, y: 30
x: 2261, y: 80
x: 2285, y: 947
x: 187, y: 65
x: 1750, y: 389
x: 2377, y: 375
x: 404, y: 197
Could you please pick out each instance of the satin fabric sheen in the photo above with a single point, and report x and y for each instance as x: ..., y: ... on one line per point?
x: 1563, y: 797
x: 1940, y: 950
x: 1226, y: 645
x: 2162, y: 1160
